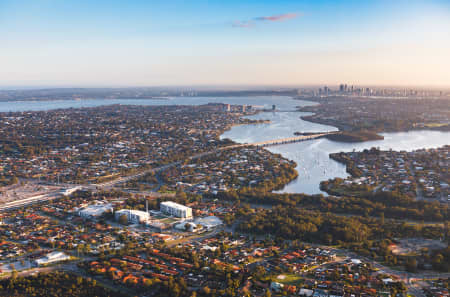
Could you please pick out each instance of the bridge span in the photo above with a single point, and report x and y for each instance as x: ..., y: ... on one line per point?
x: 279, y: 141
x: 288, y: 140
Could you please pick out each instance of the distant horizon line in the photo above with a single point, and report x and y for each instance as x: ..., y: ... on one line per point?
x: 217, y: 87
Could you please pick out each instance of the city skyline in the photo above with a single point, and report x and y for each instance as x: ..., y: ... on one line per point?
x: 254, y: 43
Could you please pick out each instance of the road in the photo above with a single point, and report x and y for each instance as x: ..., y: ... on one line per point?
x: 410, y: 279
x: 197, y: 238
x: 30, y: 200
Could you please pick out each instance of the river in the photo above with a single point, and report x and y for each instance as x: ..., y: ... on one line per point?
x: 312, y: 157
x: 281, y: 102
x: 313, y: 163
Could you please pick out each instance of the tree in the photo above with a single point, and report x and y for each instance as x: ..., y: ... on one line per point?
x: 14, y: 274
x: 411, y: 265
x: 14, y: 180
x: 181, y: 195
x: 123, y: 219
x: 438, y: 260
x: 206, y: 290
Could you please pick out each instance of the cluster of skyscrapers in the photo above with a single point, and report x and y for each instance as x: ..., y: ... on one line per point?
x: 350, y: 90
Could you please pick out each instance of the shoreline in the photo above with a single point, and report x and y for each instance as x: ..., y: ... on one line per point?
x: 82, y: 99
x: 342, y: 128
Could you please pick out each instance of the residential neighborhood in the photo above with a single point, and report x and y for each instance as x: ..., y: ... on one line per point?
x: 421, y: 174
x: 100, y: 143
x: 151, y: 201
x: 230, y: 170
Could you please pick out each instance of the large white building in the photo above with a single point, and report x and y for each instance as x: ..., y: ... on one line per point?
x: 52, y: 258
x: 95, y: 210
x: 133, y: 216
x: 176, y: 210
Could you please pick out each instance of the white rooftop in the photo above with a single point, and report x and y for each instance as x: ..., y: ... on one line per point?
x: 96, y: 209
x: 174, y: 205
x: 211, y: 221
x: 133, y: 211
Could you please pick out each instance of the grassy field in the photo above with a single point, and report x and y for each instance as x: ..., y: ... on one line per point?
x: 169, y: 220
x: 288, y: 279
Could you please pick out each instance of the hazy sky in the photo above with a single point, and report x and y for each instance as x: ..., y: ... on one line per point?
x: 227, y: 42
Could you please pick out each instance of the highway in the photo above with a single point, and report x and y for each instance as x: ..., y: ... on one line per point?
x: 30, y: 200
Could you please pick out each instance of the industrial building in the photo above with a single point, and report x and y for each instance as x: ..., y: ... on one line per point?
x: 209, y: 222
x: 186, y: 226
x: 95, y: 210
x: 133, y: 216
x: 176, y: 210
x: 52, y: 258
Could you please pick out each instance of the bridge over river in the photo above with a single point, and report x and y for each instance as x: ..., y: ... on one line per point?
x: 290, y: 139
x: 280, y: 141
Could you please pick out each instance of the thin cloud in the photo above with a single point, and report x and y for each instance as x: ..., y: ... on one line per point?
x: 277, y: 18
x: 272, y: 18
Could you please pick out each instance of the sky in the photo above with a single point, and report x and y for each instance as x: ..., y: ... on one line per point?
x: 88, y: 43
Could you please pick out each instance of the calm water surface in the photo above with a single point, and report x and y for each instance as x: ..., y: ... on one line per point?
x: 312, y: 157
x: 313, y: 163
x: 281, y: 102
